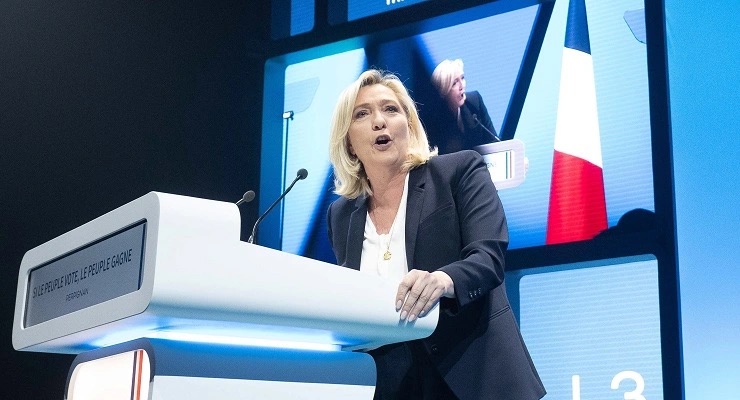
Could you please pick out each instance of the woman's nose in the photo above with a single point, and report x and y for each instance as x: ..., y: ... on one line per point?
x: 378, y: 122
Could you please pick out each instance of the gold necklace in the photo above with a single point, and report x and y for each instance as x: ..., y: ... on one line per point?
x: 387, y: 255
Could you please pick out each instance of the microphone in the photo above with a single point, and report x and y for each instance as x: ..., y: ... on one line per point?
x: 302, y: 174
x: 248, y: 196
x: 477, y: 124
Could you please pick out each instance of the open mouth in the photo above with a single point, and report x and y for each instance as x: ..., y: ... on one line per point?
x: 382, y: 139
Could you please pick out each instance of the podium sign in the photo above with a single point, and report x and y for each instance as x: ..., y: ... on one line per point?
x: 104, y: 270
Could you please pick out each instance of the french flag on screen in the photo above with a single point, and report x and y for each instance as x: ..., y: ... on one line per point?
x: 577, y: 203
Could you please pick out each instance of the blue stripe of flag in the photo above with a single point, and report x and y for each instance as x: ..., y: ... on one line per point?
x: 576, y: 31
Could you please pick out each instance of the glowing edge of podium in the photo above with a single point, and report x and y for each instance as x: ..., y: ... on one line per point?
x: 199, y: 280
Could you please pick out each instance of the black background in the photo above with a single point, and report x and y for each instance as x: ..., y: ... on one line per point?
x: 103, y: 102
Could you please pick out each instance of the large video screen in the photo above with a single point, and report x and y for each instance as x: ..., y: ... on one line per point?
x: 515, y: 60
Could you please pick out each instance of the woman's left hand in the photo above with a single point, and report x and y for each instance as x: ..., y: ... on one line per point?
x: 419, y: 291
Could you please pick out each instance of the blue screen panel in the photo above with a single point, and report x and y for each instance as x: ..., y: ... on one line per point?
x: 593, y: 329
x: 357, y: 9
x: 292, y: 17
x: 342, y: 11
x: 307, y: 83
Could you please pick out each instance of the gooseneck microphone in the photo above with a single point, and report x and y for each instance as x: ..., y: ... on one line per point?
x: 302, y: 174
x: 477, y: 124
x: 248, y: 196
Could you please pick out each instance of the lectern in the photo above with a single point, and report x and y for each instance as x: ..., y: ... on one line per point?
x: 161, y: 300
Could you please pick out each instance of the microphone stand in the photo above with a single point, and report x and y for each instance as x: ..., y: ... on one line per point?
x: 302, y: 174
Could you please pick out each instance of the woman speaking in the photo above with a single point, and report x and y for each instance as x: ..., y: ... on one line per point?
x: 435, y: 225
x: 460, y: 119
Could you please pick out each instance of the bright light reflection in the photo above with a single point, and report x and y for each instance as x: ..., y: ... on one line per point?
x: 285, y: 338
x: 241, y: 341
x: 121, y: 336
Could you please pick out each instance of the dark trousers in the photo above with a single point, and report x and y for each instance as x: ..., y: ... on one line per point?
x: 406, y: 372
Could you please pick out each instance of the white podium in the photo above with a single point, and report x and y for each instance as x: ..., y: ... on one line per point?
x: 161, y: 298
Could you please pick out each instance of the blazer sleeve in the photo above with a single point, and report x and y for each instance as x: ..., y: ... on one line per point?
x: 337, y: 235
x: 483, y: 232
x: 329, y: 228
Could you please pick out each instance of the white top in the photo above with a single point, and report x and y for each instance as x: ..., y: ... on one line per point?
x: 375, y: 246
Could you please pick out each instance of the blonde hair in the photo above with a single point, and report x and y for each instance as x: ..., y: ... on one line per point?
x: 350, y: 178
x: 443, y: 75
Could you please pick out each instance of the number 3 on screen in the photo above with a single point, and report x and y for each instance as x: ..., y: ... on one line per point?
x: 618, y: 378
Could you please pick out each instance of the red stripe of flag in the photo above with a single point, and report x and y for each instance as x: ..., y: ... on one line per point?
x: 577, y: 200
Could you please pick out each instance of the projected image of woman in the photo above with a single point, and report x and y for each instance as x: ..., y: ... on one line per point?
x: 435, y: 225
x: 461, y: 120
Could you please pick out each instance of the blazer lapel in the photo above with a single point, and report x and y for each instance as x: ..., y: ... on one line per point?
x: 356, y: 234
x: 414, y: 202
x: 466, y: 114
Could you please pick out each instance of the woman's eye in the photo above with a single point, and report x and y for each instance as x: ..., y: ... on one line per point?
x: 392, y: 109
x: 360, y: 114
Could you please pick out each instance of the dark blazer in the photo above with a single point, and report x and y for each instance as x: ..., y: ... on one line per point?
x: 455, y: 223
x: 444, y: 132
